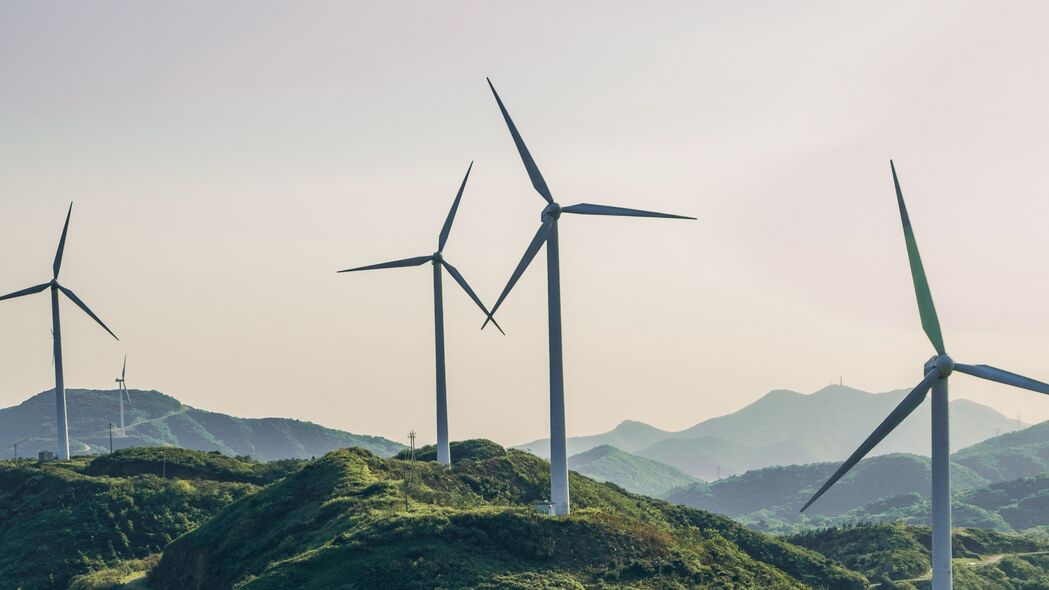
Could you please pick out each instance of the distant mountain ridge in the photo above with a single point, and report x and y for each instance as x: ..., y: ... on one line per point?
x: 1001, y: 483
x: 785, y: 428
x: 156, y: 419
x: 631, y: 472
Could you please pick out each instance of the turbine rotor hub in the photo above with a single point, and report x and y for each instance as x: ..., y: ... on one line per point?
x: 943, y: 364
x: 437, y: 258
x: 552, y: 211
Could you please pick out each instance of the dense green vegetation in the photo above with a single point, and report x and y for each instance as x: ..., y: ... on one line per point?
x: 340, y: 521
x: 888, y: 553
x: 155, y: 419
x: 63, y: 519
x: 630, y: 472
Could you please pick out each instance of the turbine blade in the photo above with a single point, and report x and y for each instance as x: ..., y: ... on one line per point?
x: 28, y: 291
x: 395, y: 264
x: 72, y: 297
x: 995, y: 374
x: 533, y: 171
x: 466, y: 287
x: 123, y: 370
x: 126, y: 393
x: 590, y: 209
x: 533, y: 248
x: 908, y: 405
x: 62, y: 243
x: 930, y: 322
x: 451, y: 214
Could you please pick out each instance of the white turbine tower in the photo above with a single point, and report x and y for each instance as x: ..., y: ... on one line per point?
x: 547, y: 235
x: 62, y: 427
x: 122, y: 392
x: 936, y: 372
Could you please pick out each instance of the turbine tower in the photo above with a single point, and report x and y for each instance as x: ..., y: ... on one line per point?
x: 444, y: 456
x: 547, y: 234
x: 937, y: 371
x: 121, y: 393
x: 62, y: 427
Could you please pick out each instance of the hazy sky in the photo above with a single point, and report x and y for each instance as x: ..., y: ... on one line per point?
x: 227, y: 158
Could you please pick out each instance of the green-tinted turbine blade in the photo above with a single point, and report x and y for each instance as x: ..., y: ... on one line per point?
x: 930, y: 322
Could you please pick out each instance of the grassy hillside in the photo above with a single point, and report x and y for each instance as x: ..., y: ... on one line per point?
x: 630, y: 472
x: 155, y: 419
x: 984, y: 560
x: 61, y: 519
x: 341, y: 522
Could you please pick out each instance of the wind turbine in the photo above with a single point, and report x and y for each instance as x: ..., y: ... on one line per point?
x: 936, y: 371
x: 121, y: 392
x: 62, y: 426
x: 547, y: 234
x: 437, y: 259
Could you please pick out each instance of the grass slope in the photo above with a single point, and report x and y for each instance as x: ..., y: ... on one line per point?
x: 63, y: 519
x: 340, y: 522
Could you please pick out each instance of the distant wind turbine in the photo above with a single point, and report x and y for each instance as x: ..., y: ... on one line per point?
x: 121, y: 393
x: 936, y: 372
x: 547, y: 234
x: 61, y: 424
x: 437, y: 259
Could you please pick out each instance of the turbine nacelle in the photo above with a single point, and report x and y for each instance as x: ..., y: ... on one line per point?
x: 551, y: 211
x: 437, y: 258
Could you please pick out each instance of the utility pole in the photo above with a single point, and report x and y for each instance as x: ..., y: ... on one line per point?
x: 110, y: 438
x: 16, y: 452
x: 411, y: 469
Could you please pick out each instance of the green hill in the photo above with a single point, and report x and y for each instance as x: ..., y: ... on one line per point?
x: 61, y: 519
x: 984, y: 560
x: 1010, y: 456
x: 630, y: 472
x: 340, y: 522
x: 155, y: 419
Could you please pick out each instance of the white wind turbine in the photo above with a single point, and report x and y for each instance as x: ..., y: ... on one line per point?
x: 62, y: 426
x: 936, y: 371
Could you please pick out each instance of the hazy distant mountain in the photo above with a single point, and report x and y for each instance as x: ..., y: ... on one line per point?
x: 770, y: 498
x: 157, y: 419
x: 704, y: 457
x: 786, y: 427
x: 1000, y: 483
x: 630, y: 472
x: 629, y: 436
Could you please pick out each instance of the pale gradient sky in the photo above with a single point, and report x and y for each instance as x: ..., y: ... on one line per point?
x: 227, y: 158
